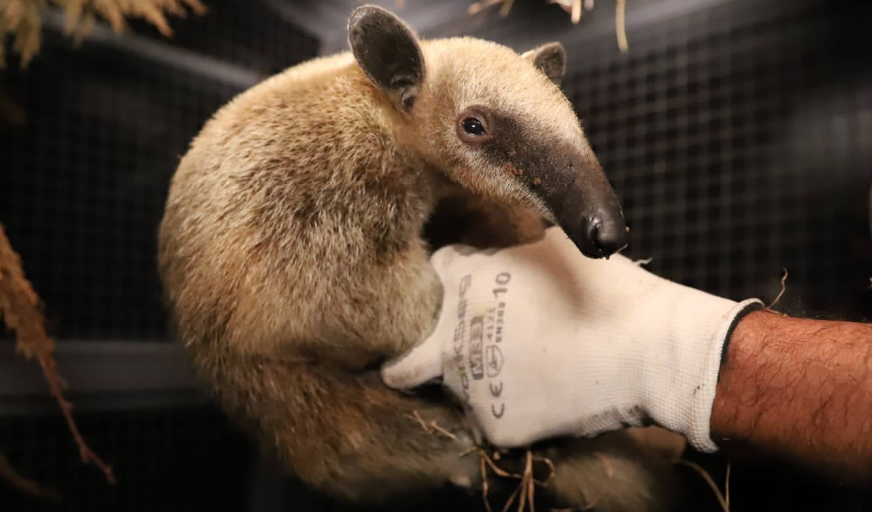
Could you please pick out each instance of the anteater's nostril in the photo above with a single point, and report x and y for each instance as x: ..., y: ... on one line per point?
x: 609, y: 237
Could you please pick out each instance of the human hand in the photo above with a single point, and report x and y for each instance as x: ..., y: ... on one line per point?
x: 539, y: 341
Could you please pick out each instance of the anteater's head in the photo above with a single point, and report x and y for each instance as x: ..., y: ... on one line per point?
x: 494, y: 121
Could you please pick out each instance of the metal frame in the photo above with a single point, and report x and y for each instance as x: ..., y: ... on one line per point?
x: 100, y: 375
x: 164, y: 53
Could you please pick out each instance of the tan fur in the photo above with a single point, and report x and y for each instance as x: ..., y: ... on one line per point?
x: 293, y: 263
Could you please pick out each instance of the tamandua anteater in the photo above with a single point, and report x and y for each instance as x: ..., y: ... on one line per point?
x: 293, y: 261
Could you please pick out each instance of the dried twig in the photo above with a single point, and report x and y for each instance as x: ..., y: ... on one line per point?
x: 727, y: 486
x: 594, y: 501
x: 484, y: 486
x: 8, y: 473
x: 481, y: 5
x: 399, y: 3
x: 507, y: 6
x: 19, y: 310
x: 781, y: 293
x: 432, y: 426
x: 621, y: 24
x: 551, y: 468
x: 417, y: 417
x: 525, y: 493
x: 610, y: 472
x: 575, y: 8
x: 711, y: 483
x: 437, y: 428
x: 511, y: 499
x: 575, y: 15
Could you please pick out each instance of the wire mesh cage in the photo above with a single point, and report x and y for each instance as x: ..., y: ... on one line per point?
x: 736, y: 133
x: 90, y: 139
x: 86, y: 171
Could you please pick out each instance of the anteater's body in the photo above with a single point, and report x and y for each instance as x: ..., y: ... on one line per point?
x: 293, y: 259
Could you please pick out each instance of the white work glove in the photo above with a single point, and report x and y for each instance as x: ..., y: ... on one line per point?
x: 539, y: 341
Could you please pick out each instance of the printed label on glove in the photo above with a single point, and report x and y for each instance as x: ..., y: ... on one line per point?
x: 481, y: 358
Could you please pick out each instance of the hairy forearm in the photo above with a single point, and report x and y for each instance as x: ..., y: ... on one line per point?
x: 801, y: 389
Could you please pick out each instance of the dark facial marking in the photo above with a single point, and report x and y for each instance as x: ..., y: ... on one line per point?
x: 515, y: 152
x: 566, y: 177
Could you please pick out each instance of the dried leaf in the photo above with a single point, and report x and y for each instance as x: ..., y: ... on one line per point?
x: 73, y: 12
x: 196, y: 6
x: 82, y: 28
x: 111, y: 10
x: 28, y: 36
x: 2, y: 54
x: 176, y: 8
x: 155, y: 16
x: 13, y: 13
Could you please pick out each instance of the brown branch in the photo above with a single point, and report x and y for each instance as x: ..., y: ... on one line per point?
x: 24, y: 484
x: 19, y: 309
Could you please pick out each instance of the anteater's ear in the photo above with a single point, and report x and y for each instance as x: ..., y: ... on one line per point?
x: 388, y: 52
x: 550, y: 59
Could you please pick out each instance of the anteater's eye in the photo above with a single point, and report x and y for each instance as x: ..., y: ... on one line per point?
x: 473, y: 126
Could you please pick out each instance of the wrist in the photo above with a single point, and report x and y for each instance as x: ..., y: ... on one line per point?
x: 802, y: 389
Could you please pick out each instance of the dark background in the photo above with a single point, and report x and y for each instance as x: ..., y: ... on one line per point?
x: 738, y: 134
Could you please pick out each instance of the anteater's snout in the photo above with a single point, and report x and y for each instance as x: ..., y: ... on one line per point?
x: 601, y: 234
x: 605, y: 234
x: 584, y: 203
x: 590, y: 213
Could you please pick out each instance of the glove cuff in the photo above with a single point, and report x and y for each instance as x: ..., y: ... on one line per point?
x: 699, y: 429
x: 681, y: 378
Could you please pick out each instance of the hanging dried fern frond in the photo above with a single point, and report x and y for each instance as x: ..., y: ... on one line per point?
x: 3, y: 34
x: 27, y: 29
x: 20, y: 311
x: 21, y: 20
